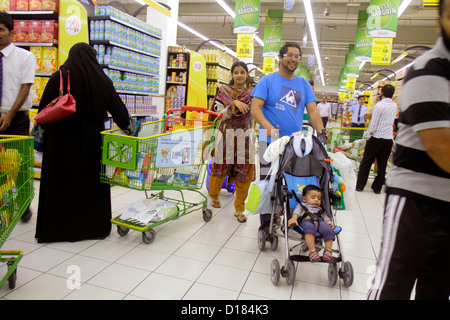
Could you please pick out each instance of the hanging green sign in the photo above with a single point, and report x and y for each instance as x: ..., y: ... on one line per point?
x: 272, y: 32
x: 351, y: 65
x: 382, y: 18
x: 247, y: 16
x: 363, y: 41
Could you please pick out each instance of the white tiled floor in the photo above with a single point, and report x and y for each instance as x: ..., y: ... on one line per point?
x: 189, y: 259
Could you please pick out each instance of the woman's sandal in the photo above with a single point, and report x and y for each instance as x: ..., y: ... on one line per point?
x: 215, y: 203
x: 328, y: 255
x: 240, y: 217
x: 313, y: 255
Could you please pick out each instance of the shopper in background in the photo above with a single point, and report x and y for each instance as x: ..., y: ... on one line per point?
x: 379, y: 144
x: 231, y: 158
x: 324, y: 111
x: 359, y: 113
x: 415, y: 248
x: 17, y: 71
x: 279, y: 100
x: 73, y: 204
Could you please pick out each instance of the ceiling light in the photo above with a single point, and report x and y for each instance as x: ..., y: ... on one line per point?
x: 403, y: 6
x: 312, y: 32
x: 192, y: 31
x: 227, y: 8
x: 400, y: 57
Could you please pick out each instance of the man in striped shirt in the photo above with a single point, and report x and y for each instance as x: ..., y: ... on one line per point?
x: 379, y: 145
x: 416, y: 228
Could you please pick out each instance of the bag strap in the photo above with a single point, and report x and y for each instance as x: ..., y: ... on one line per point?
x: 61, y: 86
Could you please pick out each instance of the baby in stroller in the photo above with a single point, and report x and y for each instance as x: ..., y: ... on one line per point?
x: 312, y: 220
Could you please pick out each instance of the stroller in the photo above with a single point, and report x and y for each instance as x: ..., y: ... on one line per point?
x: 303, y: 161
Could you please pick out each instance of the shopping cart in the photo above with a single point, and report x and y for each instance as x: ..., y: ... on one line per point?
x: 167, y: 155
x: 16, y: 193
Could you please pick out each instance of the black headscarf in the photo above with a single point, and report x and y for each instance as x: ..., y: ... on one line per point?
x: 90, y: 86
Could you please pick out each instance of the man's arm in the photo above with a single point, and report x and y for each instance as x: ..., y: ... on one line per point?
x: 258, y: 116
x: 5, y: 121
x: 437, y: 145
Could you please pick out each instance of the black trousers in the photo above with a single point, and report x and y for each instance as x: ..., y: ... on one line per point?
x: 379, y: 149
x: 20, y: 125
x: 414, y: 247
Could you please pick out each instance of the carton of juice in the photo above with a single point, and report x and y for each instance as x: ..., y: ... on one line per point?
x: 35, y: 92
x: 49, y: 31
x: 35, y: 5
x: 34, y: 31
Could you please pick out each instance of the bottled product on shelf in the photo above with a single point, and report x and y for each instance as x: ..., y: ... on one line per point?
x: 216, y: 56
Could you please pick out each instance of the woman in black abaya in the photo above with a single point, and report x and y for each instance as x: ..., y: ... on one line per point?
x: 73, y: 204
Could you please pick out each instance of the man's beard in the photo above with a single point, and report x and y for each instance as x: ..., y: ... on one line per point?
x: 446, y: 38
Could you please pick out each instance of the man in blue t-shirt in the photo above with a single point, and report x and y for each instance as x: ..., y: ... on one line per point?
x: 279, y: 99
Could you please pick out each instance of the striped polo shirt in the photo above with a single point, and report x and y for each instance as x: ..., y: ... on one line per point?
x: 381, y: 125
x: 424, y: 104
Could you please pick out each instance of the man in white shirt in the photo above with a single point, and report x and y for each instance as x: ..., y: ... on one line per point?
x: 324, y: 110
x: 379, y: 145
x: 19, y: 67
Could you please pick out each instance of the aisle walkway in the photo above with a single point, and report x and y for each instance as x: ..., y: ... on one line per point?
x: 189, y: 259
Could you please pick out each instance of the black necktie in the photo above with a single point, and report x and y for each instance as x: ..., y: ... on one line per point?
x: 1, y: 77
x: 359, y: 112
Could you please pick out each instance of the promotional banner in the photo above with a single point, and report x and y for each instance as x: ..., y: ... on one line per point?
x: 351, y: 64
x: 363, y: 41
x: 272, y: 32
x: 268, y: 65
x: 244, y: 46
x: 382, y: 18
x: 351, y: 83
x: 381, y: 51
x: 247, y: 16
x: 73, y: 27
x: 196, y: 95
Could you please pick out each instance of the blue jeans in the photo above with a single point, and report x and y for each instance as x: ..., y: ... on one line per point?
x: 324, y: 229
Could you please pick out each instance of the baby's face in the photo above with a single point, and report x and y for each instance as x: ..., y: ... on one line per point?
x: 313, y: 197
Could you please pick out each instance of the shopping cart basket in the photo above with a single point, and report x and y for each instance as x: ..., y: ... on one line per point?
x: 167, y: 155
x: 16, y: 193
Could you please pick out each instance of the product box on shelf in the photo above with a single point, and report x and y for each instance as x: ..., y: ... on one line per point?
x: 35, y: 31
x: 22, y: 29
x: 37, y: 52
x: 50, y: 5
x: 21, y: 5
x: 49, y: 59
x: 35, y: 92
x: 35, y: 5
x: 4, y: 5
x: 49, y: 31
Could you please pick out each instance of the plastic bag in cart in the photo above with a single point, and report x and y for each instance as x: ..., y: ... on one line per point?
x: 150, y: 210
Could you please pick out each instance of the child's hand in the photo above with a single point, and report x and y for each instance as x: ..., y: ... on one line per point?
x: 292, y: 221
x: 330, y: 223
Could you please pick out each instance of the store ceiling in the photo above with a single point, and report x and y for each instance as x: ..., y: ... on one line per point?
x: 416, y: 27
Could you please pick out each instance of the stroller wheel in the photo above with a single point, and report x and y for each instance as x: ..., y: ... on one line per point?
x: 275, y: 271
x: 262, y: 239
x: 332, y: 274
x: 347, y: 274
x: 290, y: 272
x: 274, y: 243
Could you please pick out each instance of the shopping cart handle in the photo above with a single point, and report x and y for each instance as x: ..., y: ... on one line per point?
x: 198, y: 109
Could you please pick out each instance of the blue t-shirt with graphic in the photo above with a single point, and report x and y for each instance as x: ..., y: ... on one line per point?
x: 285, y: 102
